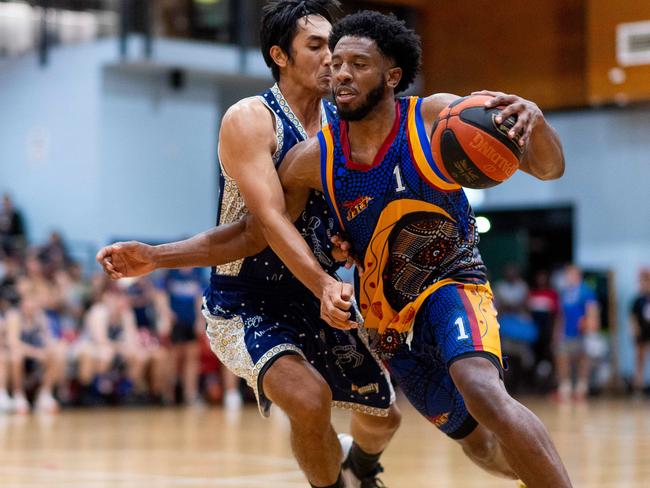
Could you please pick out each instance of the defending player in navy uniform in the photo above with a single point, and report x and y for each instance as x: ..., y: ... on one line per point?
x: 257, y: 310
x: 423, y: 291
x: 261, y: 321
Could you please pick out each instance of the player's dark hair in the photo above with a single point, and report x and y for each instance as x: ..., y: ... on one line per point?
x: 280, y: 22
x: 393, y: 38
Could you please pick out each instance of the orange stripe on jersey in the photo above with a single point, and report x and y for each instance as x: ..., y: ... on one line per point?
x: 417, y: 151
x: 329, y: 171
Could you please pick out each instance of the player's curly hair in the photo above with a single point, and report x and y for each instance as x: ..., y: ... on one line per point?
x: 393, y: 38
x: 280, y: 22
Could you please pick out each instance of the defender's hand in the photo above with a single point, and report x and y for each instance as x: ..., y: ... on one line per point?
x: 126, y: 259
x: 335, y: 303
x: 341, y: 251
x: 528, y: 114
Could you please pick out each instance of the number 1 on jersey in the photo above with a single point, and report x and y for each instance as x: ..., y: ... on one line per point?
x: 461, y: 329
x: 398, y: 178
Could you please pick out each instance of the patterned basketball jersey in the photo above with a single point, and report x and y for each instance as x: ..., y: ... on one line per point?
x: 414, y: 228
x: 316, y: 224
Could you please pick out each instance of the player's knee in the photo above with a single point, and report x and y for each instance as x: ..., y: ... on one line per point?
x: 478, y: 381
x: 299, y: 391
x: 481, y: 448
x: 393, y: 420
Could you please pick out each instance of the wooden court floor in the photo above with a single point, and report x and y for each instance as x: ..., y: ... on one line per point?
x: 605, y: 444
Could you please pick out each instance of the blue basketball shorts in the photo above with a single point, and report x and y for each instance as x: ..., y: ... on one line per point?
x: 456, y: 321
x: 251, y: 326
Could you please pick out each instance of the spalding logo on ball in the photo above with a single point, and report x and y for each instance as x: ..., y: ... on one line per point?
x: 470, y: 147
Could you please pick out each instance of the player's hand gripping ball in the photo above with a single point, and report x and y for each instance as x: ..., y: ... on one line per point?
x: 471, y: 147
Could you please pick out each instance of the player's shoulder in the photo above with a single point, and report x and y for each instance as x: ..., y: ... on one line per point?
x: 249, y: 116
x: 433, y: 104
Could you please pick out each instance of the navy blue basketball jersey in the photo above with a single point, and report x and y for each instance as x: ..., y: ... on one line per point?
x: 316, y: 224
x: 413, y: 227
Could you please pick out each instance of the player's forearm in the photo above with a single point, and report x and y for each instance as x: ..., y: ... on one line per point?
x: 289, y: 245
x: 219, y: 245
x: 544, y: 158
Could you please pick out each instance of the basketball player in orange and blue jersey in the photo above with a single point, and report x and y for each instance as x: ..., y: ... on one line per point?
x: 423, y: 291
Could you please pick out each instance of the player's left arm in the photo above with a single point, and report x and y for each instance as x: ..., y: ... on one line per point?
x: 543, y: 157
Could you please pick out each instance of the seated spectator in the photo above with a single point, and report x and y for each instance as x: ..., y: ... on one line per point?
x: 580, y: 318
x: 185, y: 290
x: 640, y: 327
x: 12, y: 229
x: 32, y: 347
x: 153, y: 321
x: 5, y: 399
x: 109, y: 336
x: 54, y: 253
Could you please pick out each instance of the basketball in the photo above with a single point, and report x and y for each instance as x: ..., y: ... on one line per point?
x: 470, y: 147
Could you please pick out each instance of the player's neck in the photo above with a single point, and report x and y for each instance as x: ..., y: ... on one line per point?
x: 305, y: 104
x: 373, y: 129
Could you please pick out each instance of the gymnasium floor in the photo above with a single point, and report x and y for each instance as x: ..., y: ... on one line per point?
x: 605, y: 444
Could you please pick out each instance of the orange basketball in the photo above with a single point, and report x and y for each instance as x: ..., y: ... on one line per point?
x: 470, y: 147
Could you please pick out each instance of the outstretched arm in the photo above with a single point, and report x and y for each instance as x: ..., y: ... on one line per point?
x: 213, y: 247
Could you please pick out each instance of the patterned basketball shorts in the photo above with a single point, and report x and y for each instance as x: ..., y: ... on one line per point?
x: 249, y: 328
x: 456, y: 321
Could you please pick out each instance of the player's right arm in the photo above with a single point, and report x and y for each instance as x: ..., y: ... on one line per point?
x: 250, y: 163
x: 246, y: 144
x: 219, y: 245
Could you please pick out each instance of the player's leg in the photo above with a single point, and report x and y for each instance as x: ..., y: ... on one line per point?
x: 371, y: 435
x: 484, y: 449
x: 425, y: 380
x: 304, y: 396
x: 468, y: 333
x: 523, y: 438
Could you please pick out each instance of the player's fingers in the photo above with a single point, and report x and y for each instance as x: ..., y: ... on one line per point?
x: 107, y: 264
x: 508, y: 110
x: 523, y: 140
x: 488, y: 93
x: 346, y: 292
x: 335, y: 317
x: 102, y: 253
x: 523, y: 121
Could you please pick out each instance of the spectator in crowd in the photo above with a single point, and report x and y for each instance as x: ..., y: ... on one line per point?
x: 54, y: 253
x: 109, y: 336
x: 518, y: 333
x: 640, y: 326
x: 33, y: 349
x: 580, y: 318
x: 12, y: 230
x: 185, y: 290
x: 544, y: 309
x: 9, y: 283
x: 5, y: 399
x: 153, y: 321
x: 511, y: 293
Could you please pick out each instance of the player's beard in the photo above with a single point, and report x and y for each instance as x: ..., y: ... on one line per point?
x: 373, y: 97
